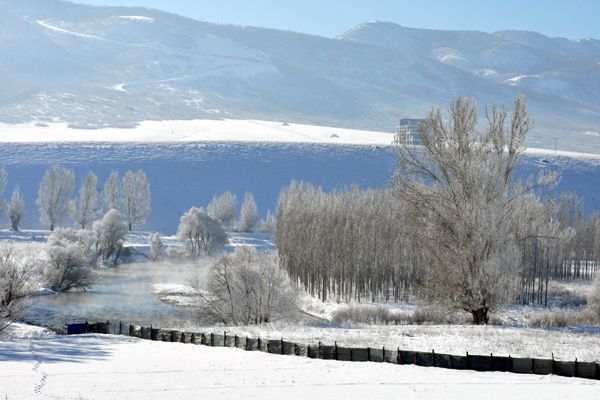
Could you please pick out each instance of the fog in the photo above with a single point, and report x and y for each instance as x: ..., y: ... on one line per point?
x: 123, y: 293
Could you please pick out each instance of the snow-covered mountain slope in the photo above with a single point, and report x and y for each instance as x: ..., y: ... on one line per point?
x: 94, y: 67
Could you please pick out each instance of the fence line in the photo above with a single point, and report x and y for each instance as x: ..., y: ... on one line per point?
x: 587, y: 370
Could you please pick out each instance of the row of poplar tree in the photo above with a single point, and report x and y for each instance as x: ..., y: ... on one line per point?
x: 129, y: 195
x: 458, y: 227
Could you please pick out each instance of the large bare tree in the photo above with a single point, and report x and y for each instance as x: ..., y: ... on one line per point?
x: 465, y: 204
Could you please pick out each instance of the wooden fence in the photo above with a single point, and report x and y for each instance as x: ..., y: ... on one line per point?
x: 587, y: 370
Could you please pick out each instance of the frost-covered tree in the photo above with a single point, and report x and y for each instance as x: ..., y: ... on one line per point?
x: 248, y: 214
x: 3, y: 182
x: 462, y: 196
x: 19, y: 278
x: 71, y: 257
x: 201, y: 233
x: 111, y: 195
x: 594, y: 300
x: 247, y: 287
x: 85, y: 210
x: 111, y: 232
x: 268, y: 224
x: 345, y: 244
x: 157, y: 247
x: 223, y: 208
x: 54, y: 195
x: 16, y: 209
x: 136, y: 197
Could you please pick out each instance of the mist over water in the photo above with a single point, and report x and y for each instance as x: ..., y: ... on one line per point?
x: 123, y: 293
x: 127, y: 293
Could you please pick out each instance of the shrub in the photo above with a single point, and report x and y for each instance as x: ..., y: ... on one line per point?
x: 111, y: 232
x: 247, y: 287
x: 201, y: 233
x: 379, y: 314
x: 560, y: 318
x: 70, y: 258
x: 19, y: 276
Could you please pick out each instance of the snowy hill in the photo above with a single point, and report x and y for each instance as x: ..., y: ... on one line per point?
x: 93, y: 67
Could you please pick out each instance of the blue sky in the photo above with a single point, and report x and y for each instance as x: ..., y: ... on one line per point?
x: 574, y: 19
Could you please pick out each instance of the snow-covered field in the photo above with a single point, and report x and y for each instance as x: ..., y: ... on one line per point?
x: 565, y: 344
x: 214, y: 130
x: 201, y: 130
x: 36, y: 364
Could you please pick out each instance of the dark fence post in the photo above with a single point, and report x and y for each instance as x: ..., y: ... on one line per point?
x: 398, y: 358
x: 432, y: 357
x: 553, y: 364
x: 491, y: 360
x: 575, y: 368
x: 335, y: 351
x: 246, y: 345
x: 319, y: 353
x: 368, y: 354
x: 282, y: 352
x: 467, y: 361
x: 510, y: 361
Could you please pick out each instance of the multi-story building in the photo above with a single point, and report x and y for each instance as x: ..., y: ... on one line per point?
x: 407, y: 132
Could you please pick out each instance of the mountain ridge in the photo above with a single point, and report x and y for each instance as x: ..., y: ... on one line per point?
x: 95, y: 67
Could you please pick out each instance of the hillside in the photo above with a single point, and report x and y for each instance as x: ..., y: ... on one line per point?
x: 92, y: 67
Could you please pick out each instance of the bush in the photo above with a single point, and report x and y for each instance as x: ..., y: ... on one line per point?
x: 111, y: 232
x: 364, y: 314
x: 247, y: 287
x: 561, y: 318
x: 157, y: 247
x: 593, y: 300
x: 70, y: 258
x: 201, y: 233
x: 379, y: 314
x: 19, y: 276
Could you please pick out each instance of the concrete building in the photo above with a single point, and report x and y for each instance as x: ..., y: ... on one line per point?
x: 407, y: 132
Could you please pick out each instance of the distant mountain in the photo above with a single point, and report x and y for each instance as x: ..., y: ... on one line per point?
x: 112, y: 66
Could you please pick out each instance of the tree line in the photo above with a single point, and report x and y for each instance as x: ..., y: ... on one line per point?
x: 457, y: 228
x: 56, y: 202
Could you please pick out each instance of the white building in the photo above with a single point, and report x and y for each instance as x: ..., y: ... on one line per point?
x: 407, y: 132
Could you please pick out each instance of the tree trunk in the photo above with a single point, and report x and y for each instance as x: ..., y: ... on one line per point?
x: 480, y: 316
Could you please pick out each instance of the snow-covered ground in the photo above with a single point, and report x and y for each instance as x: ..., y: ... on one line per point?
x: 213, y: 130
x: 36, y: 364
x: 565, y: 344
x: 222, y: 130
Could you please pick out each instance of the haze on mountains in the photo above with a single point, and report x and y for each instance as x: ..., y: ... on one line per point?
x: 109, y: 66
